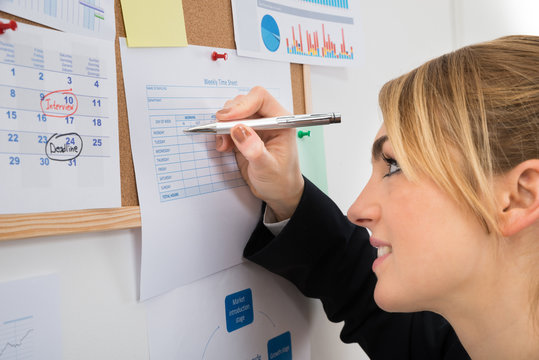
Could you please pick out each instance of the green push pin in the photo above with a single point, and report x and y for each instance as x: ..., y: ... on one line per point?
x: 301, y: 134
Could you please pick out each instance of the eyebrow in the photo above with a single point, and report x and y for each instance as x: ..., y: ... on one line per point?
x: 377, y: 146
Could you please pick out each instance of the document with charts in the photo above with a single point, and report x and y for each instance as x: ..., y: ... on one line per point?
x: 244, y: 312
x: 197, y: 212
x: 30, y: 319
x: 317, y: 32
x: 58, y: 122
x: 86, y: 17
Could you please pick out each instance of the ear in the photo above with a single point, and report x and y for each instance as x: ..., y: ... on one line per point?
x: 518, y: 197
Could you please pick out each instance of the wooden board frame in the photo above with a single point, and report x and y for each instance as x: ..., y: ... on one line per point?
x: 208, y: 23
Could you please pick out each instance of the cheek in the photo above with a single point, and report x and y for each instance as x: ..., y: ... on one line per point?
x: 431, y: 252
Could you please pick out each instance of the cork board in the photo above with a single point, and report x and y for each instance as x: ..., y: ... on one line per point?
x: 208, y: 23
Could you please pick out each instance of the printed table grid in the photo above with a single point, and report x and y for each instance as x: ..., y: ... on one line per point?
x: 189, y: 165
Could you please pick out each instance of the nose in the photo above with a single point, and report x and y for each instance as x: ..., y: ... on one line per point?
x: 366, y: 210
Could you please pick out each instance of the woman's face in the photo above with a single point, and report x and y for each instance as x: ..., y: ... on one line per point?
x: 431, y: 251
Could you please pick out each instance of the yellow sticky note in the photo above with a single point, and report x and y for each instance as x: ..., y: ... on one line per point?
x: 158, y: 23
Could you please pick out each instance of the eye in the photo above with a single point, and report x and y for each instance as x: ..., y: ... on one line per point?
x: 392, y: 164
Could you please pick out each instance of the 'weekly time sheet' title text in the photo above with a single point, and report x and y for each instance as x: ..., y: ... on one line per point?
x: 220, y: 82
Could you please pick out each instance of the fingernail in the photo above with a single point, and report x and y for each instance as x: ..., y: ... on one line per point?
x: 240, y: 133
x: 218, y: 141
x: 224, y: 111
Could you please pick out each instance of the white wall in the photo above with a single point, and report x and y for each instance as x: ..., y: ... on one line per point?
x: 101, y: 318
x: 481, y: 20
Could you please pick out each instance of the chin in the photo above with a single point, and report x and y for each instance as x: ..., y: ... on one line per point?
x: 391, y: 301
x: 384, y: 302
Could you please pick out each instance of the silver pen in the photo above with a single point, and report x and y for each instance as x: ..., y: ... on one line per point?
x: 273, y: 123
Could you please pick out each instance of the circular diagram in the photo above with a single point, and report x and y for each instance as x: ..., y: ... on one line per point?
x: 270, y: 33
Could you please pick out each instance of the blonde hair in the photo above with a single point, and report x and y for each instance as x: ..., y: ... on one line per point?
x: 467, y: 116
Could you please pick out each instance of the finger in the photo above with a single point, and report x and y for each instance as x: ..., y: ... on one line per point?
x: 251, y: 147
x: 258, y: 101
x: 229, y: 104
x: 223, y: 143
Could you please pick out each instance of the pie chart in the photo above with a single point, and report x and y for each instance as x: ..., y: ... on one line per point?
x: 270, y: 33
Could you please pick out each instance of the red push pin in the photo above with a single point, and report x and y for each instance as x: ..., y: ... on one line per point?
x: 215, y: 56
x: 5, y: 26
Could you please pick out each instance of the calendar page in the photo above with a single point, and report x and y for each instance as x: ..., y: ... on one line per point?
x: 58, y: 122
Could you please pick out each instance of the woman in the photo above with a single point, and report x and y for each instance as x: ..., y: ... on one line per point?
x: 452, y: 206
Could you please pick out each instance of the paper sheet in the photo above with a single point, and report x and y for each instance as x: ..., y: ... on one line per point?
x: 58, y: 122
x: 197, y: 212
x: 30, y: 325
x: 317, y: 32
x: 86, y: 17
x: 242, y: 313
x: 154, y: 23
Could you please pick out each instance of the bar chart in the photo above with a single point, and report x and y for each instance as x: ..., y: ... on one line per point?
x: 310, y: 45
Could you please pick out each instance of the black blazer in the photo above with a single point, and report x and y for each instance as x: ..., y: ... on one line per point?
x: 329, y: 258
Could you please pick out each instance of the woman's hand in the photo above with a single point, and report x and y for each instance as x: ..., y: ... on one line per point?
x: 268, y: 160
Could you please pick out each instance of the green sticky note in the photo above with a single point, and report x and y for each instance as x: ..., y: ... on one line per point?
x: 154, y: 23
x: 312, y: 156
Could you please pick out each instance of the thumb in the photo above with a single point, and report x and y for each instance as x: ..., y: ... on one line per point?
x: 251, y: 147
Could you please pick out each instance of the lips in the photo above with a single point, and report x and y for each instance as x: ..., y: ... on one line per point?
x: 384, y: 250
x: 378, y: 243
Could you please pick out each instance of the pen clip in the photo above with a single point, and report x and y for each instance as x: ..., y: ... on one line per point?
x: 285, y: 119
x: 301, y: 118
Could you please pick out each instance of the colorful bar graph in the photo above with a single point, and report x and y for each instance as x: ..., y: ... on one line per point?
x: 312, y: 45
x: 341, y: 4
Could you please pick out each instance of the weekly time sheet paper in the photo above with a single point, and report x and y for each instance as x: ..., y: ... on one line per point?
x: 244, y: 312
x: 58, y: 122
x: 197, y: 212
x: 86, y: 17
x: 30, y: 324
x: 318, y: 32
